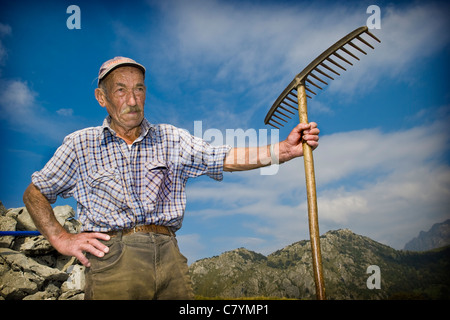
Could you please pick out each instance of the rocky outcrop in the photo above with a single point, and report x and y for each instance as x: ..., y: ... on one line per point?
x: 346, y: 258
x: 30, y: 268
x: 438, y: 236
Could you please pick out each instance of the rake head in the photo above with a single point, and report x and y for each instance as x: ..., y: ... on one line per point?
x: 317, y: 73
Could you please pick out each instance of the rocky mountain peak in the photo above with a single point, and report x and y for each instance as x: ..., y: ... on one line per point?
x: 438, y: 236
x: 346, y: 258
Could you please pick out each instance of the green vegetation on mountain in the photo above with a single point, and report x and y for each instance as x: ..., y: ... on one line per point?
x: 287, y: 273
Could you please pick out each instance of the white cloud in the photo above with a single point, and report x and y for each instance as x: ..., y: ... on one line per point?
x: 21, y: 110
x: 16, y: 99
x: 66, y: 112
x: 387, y: 186
x: 235, y: 58
x: 267, y: 45
x: 408, y: 33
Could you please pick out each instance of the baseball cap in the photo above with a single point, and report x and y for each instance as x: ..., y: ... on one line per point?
x: 116, y: 62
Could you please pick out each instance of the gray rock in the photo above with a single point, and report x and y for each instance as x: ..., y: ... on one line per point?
x: 72, y: 295
x: 76, y: 280
x: 3, y: 210
x: 7, y: 224
x: 30, y: 268
x: 19, y: 262
x: 438, y: 236
x: 33, y: 246
x: 24, y: 221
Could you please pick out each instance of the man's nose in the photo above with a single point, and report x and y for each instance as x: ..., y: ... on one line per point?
x: 131, y: 101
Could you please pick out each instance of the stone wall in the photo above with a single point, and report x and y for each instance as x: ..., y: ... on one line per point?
x: 30, y: 268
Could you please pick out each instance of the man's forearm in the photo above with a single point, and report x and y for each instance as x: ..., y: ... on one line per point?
x: 42, y: 213
x: 66, y: 243
x: 241, y: 159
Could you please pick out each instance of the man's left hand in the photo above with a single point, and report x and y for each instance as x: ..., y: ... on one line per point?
x: 292, y: 146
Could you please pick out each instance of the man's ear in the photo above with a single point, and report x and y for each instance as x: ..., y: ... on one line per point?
x: 101, y: 97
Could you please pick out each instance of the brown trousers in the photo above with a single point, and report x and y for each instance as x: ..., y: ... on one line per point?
x: 137, y: 267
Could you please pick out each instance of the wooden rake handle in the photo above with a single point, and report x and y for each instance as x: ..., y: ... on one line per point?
x: 311, y: 197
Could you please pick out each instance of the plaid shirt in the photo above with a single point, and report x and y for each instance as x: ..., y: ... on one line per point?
x: 120, y: 187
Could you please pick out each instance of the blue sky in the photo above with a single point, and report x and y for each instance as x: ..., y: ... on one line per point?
x: 382, y: 167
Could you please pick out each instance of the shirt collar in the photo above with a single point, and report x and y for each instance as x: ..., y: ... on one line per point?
x: 145, y: 127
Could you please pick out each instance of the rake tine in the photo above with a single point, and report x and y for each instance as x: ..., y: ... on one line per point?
x: 342, y: 58
x: 308, y: 89
x: 273, y: 125
x: 327, y: 67
x: 289, y: 105
x: 349, y: 53
x: 335, y: 63
x: 365, y: 42
x: 321, y: 72
x: 357, y: 48
x: 286, y: 109
x: 291, y: 100
x: 279, y: 118
x: 294, y: 95
x: 373, y: 36
x: 316, y: 77
x: 276, y: 122
x: 313, y: 84
x: 283, y: 113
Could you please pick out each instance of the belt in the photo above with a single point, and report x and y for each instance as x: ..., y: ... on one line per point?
x: 144, y: 229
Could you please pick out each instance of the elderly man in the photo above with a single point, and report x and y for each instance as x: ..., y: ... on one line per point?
x: 128, y: 177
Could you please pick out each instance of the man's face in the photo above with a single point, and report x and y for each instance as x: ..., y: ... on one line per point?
x: 125, y: 98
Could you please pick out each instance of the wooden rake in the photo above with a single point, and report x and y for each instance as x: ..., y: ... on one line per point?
x: 313, y: 77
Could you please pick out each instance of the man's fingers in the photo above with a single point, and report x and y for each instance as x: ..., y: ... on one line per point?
x: 306, y: 126
x: 82, y: 258
x: 92, y: 245
x: 313, y: 144
x: 96, y: 247
x: 92, y: 250
x: 312, y: 136
x: 99, y: 235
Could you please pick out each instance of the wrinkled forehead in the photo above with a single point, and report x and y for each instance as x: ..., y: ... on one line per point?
x: 126, y: 76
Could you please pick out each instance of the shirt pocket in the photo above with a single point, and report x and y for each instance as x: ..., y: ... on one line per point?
x: 158, y: 181
x: 106, y: 190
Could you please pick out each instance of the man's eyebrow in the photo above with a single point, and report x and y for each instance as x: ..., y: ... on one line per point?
x: 120, y: 84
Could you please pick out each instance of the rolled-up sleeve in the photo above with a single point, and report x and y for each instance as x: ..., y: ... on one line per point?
x: 201, y: 158
x: 58, y: 177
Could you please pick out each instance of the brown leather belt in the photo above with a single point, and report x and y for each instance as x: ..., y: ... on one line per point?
x: 143, y: 229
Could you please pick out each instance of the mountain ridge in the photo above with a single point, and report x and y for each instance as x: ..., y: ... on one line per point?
x: 346, y: 257
x: 437, y: 236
